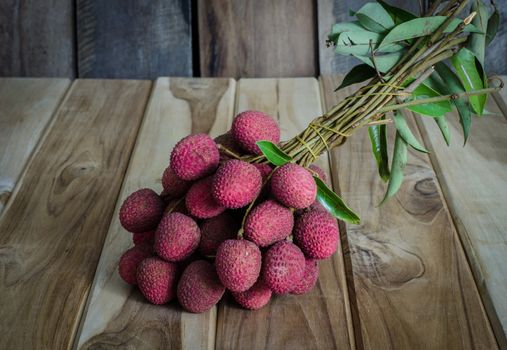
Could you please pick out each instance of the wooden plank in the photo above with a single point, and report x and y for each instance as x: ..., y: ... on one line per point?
x: 26, y: 107
x: 134, y: 39
x: 117, y: 315
x: 37, y: 38
x: 413, y: 285
x: 319, y: 319
x: 474, y: 183
x: 257, y: 38
x: 52, y: 231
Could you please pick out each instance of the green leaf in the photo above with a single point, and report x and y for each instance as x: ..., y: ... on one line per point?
x: 477, y: 41
x: 334, y: 204
x: 465, y: 64
x: 434, y: 109
x: 339, y: 28
x: 356, y: 75
x: 358, y: 43
x: 444, y: 129
x: 493, y: 23
x: 274, y: 154
x: 406, y: 133
x: 374, y: 17
x: 378, y: 139
x: 384, y: 62
x: 398, y: 15
x: 398, y: 164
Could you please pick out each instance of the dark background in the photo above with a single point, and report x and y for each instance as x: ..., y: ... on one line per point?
x: 144, y: 39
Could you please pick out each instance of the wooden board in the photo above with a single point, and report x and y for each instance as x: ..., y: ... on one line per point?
x: 117, y: 314
x: 134, y: 39
x: 52, y: 231
x: 319, y: 319
x: 26, y: 108
x: 37, y: 38
x: 257, y: 38
x: 474, y: 182
x: 413, y: 285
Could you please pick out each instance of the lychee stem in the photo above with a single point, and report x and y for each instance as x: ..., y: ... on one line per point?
x: 228, y: 151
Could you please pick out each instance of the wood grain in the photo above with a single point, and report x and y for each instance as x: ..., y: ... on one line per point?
x: 52, y: 232
x: 134, y: 39
x: 257, y: 38
x: 319, y: 319
x: 37, y: 38
x: 118, y: 316
x: 26, y: 108
x: 474, y: 183
x: 413, y: 286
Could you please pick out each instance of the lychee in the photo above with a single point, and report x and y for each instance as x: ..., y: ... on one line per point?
x: 316, y: 233
x: 141, y: 211
x: 143, y: 237
x: 130, y: 260
x: 236, y: 183
x: 174, y: 187
x: 238, y: 263
x: 200, y: 202
x: 293, y: 186
x: 252, y: 126
x: 268, y: 222
x: 309, y: 278
x: 194, y: 157
x: 318, y: 170
x: 283, y: 267
x: 199, y: 287
x: 255, y: 297
x: 216, y: 230
x: 177, y: 237
x: 156, y: 279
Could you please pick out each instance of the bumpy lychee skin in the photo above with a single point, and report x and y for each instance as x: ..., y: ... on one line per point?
x: 194, y: 157
x: 156, y: 279
x: 318, y: 170
x: 309, y: 278
x: 200, y: 202
x: 228, y: 142
x: 238, y: 263
x: 236, y: 183
x: 199, y: 287
x: 216, y: 230
x: 254, y: 298
x: 130, y: 260
x: 143, y: 237
x: 316, y: 233
x: 177, y: 237
x: 293, y: 186
x: 283, y: 267
x: 174, y: 187
x: 252, y: 126
x: 141, y: 211
x: 268, y: 222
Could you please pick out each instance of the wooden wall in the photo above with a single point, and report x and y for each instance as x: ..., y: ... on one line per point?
x: 145, y: 39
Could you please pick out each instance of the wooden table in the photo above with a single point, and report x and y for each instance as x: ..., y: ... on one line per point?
x: 426, y: 270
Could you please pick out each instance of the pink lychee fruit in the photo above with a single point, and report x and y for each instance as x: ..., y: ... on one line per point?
x: 309, y: 278
x: 156, y: 279
x: 252, y: 126
x: 216, y: 230
x: 174, y: 187
x: 199, y: 287
x: 236, y: 183
x: 194, y: 157
x: 200, y: 202
x: 143, y: 237
x: 318, y: 170
x: 177, y: 237
x: 268, y: 222
x: 316, y: 233
x: 254, y: 298
x: 238, y: 263
x: 228, y: 142
x: 293, y: 186
x: 283, y: 267
x: 141, y: 211
x: 130, y: 260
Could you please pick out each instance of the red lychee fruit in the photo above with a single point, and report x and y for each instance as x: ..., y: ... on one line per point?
x: 318, y: 170
x: 174, y: 187
x: 194, y: 157
x: 200, y: 202
x: 255, y: 297
x: 156, y: 279
x: 236, y: 183
x: 309, y: 278
x: 316, y: 233
x: 228, y: 142
x: 141, y: 211
x: 268, y: 222
x: 216, y: 230
x: 130, y: 260
x: 143, y: 237
x: 264, y: 169
x: 293, y: 186
x: 238, y: 263
x: 177, y: 237
x: 283, y: 267
x: 252, y: 126
x: 199, y: 287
